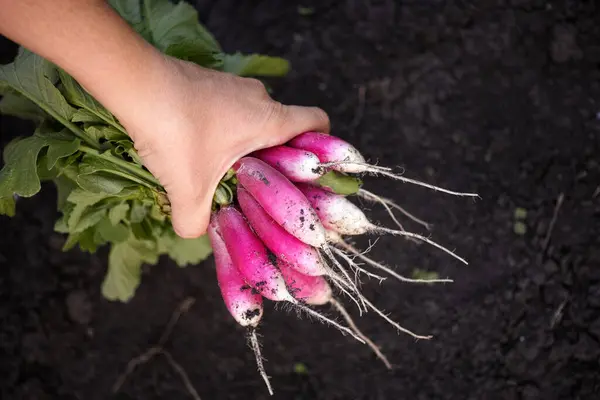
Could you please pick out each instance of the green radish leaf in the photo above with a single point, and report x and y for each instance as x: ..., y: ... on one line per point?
x: 340, y: 183
x: 254, y: 65
x: 126, y: 146
x: 112, y: 233
x: 170, y: 24
x: 87, y: 241
x: 104, y: 132
x: 14, y: 104
x: 103, y: 183
x: 138, y: 212
x: 193, y: 50
x: 77, y: 95
x: 7, y: 206
x: 61, y: 149
x: 83, y: 115
x: 64, y: 187
x: 118, y: 213
x: 81, y: 200
x: 186, y: 251
x: 124, y: 268
x: 33, y: 77
x: 20, y: 173
x: 90, y: 217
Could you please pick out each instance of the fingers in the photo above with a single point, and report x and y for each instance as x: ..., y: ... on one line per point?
x: 190, y: 214
x: 296, y: 120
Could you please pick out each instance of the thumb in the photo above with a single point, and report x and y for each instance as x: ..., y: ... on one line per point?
x: 297, y: 119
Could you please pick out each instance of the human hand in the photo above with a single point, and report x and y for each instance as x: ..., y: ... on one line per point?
x: 190, y: 124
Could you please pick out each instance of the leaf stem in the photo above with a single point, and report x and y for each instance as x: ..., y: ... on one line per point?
x: 136, y: 171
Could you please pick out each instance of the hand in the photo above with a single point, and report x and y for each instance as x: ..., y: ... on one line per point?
x: 191, y: 124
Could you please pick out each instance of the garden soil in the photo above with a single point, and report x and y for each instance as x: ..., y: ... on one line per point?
x: 498, y: 97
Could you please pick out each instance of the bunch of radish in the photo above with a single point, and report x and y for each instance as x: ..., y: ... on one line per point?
x: 278, y: 228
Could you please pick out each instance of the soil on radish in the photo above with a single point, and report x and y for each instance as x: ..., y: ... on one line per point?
x: 495, y: 97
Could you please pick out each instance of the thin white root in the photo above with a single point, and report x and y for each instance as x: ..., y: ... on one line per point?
x: 417, y: 236
x: 340, y: 283
x: 365, y: 194
x: 355, y: 266
x: 331, y: 322
x: 385, y: 171
x: 390, y: 271
x: 327, y: 250
x: 395, y: 324
x: 259, y: 360
x: 419, y: 183
x: 338, y: 306
x: 364, y: 166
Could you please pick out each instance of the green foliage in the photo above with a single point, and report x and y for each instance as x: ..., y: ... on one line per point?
x: 105, y: 195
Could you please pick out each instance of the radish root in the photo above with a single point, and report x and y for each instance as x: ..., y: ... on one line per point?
x: 395, y: 324
x: 348, y: 247
x: 327, y: 250
x: 355, y: 266
x: 385, y: 171
x: 382, y: 229
x: 340, y: 308
x: 331, y: 322
x: 255, y: 345
x: 387, y: 203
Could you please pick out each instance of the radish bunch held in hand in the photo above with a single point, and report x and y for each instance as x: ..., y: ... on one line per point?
x: 277, y: 228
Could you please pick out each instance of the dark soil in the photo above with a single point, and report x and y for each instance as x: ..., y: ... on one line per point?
x: 499, y: 97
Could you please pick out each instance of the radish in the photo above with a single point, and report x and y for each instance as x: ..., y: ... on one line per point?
x: 243, y: 304
x: 312, y: 290
x: 283, y: 201
x: 250, y: 256
x: 339, y: 214
x: 330, y: 149
x: 340, y: 155
x: 288, y: 206
x: 301, y: 256
x: 297, y: 165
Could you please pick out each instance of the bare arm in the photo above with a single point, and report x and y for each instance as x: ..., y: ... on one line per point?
x: 189, y: 124
x: 86, y: 38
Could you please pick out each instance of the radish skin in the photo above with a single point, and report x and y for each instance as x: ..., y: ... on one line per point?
x: 337, y: 154
x: 296, y: 164
x: 330, y: 149
x: 313, y: 290
x: 285, y: 246
x: 243, y: 304
x: 251, y: 257
x: 340, y: 215
x: 336, y: 212
x: 283, y: 201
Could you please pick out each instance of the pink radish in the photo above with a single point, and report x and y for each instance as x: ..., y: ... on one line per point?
x: 297, y: 165
x: 330, y: 149
x: 312, y: 290
x: 283, y: 201
x: 244, y: 304
x: 251, y: 257
x: 339, y: 214
x: 306, y: 259
x: 336, y: 212
x: 337, y: 154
